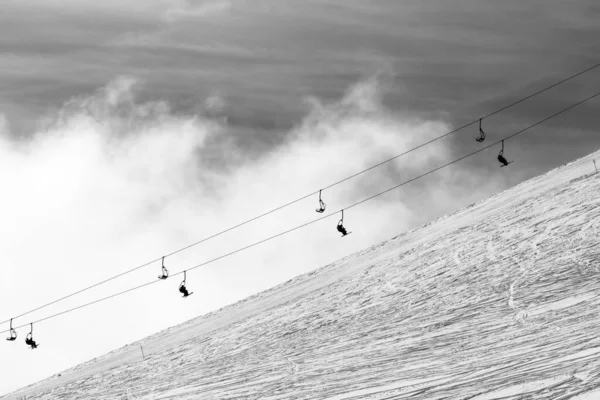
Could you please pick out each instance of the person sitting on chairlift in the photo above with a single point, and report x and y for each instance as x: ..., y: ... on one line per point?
x: 30, y: 342
x: 341, y: 229
x: 184, y: 290
x: 502, y: 159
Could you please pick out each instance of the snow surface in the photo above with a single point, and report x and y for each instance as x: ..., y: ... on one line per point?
x: 496, y: 301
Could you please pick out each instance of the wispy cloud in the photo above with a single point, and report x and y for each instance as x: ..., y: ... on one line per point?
x: 196, y: 9
x: 111, y: 181
x: 137, y: 39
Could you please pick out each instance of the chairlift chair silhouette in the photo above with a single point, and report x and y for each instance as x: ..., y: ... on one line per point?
x: 501, y: 158
x: 182, y: 289
x: 13, y: 333
x: 165, y: 272
x: 340, y: 226
x: 29, y: 339
x: 481, y: 132
x: 321, y: 204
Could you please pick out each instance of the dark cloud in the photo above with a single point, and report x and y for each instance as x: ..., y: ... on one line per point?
x: 134, y: 171
x: 453, y: 58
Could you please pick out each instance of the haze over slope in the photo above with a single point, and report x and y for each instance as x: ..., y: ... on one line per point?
x: 498, y: 300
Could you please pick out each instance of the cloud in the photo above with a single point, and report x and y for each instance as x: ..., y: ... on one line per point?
x: 110, y: 182
x: 137, y: 39
x: 4, y: 127
x: 215, y: 103
x: 194, y: 9
x: 159, y: 36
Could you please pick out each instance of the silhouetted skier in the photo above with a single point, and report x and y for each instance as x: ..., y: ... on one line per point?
x: 340, y: 226
x: 341, y: 229
x: 184, y: 291
x: 30, y: 342
x: 29, y: 339
x: 502, y: 160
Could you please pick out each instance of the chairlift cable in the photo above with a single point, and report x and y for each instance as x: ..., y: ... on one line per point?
x: 321, y: 218
x: 303, y: 197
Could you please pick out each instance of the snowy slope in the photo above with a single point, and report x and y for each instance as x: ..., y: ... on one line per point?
x: 496, y: 301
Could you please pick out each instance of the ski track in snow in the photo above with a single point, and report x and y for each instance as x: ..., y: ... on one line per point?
x: 293, y: 365
x: 496, y: 301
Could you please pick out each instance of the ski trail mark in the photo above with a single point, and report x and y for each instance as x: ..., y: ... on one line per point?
x: 293, y: 365
x: 457, y: 258
x: 521, y: 267
x: 593, y: 224
x: 491, y: 252
x: 390, y: 287
x: 521, y: 315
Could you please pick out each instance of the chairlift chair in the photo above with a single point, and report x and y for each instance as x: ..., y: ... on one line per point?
x: 481, y: 132
x: 165, y: 272
x: 13, y: 333
x: 182, y: 289
x: 321, y: 204
x: 341, y: 228
x: 29, y: 339
x: 501, y: 157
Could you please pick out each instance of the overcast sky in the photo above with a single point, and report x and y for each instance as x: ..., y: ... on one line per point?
x: 129, y: 130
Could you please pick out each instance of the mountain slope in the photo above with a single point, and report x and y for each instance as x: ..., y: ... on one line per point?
x: 496, y: 301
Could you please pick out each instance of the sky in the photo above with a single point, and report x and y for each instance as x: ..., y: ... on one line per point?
x: 128, y: 132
